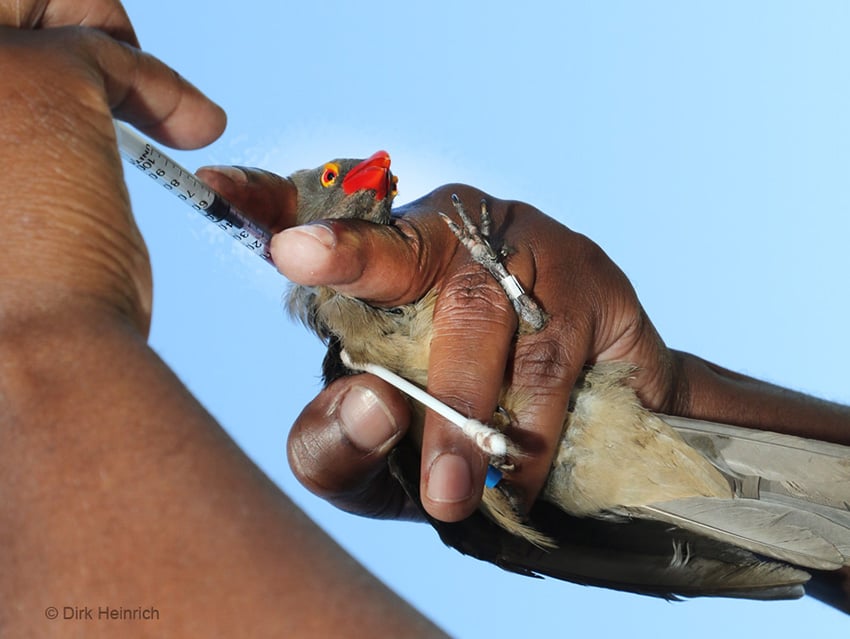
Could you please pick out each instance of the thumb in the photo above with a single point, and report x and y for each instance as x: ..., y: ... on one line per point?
x: 383, y: 264
x: 338, y: 447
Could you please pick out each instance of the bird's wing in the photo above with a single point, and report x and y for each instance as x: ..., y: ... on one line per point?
x: 770, y: 463
x: 646, y: 557
x: 791, y: 494
x: 786, y: 533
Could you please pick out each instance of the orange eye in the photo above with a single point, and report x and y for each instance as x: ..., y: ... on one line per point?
x: 330, y: 174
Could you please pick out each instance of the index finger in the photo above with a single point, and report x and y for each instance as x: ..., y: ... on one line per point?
x: 163, y: 105
x: 473, y: 334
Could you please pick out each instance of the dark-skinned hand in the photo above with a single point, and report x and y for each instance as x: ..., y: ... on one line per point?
x: 339, y: 444
x: 96, y: 253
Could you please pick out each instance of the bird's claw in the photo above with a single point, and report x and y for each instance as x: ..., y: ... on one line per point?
x: 477, y: 241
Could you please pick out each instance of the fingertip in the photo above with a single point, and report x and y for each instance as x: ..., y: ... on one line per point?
x: 267, y: 198
x: 306, y: 255
x: 368, y: 419
x: 223, y: 179
x: 154, y: 97
x: 198, y: 122
x: 452, y: 486
x: 449, y: 480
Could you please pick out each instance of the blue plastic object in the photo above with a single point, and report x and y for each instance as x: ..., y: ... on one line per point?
x: 494, y: 476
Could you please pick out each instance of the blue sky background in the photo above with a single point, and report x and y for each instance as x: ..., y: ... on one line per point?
x: 704, y: 145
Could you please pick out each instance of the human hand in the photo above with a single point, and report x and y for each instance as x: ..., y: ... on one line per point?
x: 61, y: 189
x: 339, y: 444
x: 109, y: 17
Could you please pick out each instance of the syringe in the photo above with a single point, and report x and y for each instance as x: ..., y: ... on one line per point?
x: 183, y: 184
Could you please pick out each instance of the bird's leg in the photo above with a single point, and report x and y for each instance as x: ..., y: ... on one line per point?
x: 486, y: 222
x: 532, y: 318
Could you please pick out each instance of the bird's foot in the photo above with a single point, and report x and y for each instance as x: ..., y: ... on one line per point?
x: 476, y: 239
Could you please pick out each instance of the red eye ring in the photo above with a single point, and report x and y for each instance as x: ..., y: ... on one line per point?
x: 330, y: 174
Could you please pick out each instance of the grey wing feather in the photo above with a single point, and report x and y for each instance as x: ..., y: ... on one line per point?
x: 641, y: 556
x: 769, y: 462
x: 792, y: 494
x: 774, y: 530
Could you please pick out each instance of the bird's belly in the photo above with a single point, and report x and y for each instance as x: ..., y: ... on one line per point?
x: 616, y: 454
x: 398, y: 339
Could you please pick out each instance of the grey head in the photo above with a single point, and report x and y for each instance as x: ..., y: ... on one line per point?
x: 346, y: 188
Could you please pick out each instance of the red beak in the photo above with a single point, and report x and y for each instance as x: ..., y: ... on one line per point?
x: 373, y: 174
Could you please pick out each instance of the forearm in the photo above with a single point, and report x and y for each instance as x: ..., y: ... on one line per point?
x: 707, y: 391
x: 120, y: 490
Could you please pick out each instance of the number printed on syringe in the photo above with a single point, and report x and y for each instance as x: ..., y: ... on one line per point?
x: 173, y: 177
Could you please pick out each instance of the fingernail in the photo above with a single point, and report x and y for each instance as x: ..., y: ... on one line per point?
x: 319, y: 232
x: 232, y: 173
x: 450, y: 479
x: 365, y: 419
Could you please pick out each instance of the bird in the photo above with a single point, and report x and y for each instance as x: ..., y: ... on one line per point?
x: 635, y: 501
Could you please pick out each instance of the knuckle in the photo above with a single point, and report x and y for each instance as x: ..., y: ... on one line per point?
x: 546, y: 362
x: 463, y: 395
x: 471, y: 284
x: 83, y: 39
x: 366, y: 490
x: 587, y: 247
x: 474, y: 295
x: 310, y: 457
